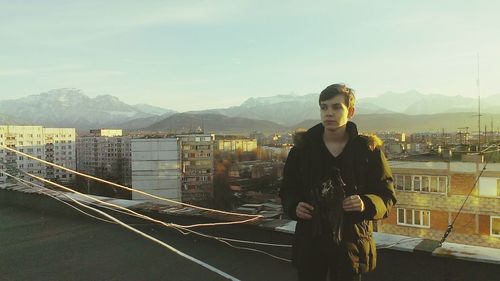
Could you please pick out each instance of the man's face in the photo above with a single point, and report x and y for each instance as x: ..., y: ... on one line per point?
x: 334, y: 112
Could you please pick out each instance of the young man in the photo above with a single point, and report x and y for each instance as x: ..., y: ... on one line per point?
x: 335, y: 184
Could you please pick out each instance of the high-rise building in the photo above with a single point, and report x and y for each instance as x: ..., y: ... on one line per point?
x: 55, y: 145
x: 197, y: 160
x: 105, y: 153
x: 156, y: 168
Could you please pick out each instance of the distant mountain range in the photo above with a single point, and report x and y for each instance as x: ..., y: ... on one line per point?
x: 409, y: 111
x: 286, y: 110
x: 450, y: 122
x: 415, y: 103
x: 209, y: 122
x: 72, y: 108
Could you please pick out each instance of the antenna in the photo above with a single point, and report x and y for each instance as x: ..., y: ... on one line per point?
x: 492, y: 136
x: 478, y: 108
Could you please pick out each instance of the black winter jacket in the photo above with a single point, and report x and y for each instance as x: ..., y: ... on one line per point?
x: 373, y: 180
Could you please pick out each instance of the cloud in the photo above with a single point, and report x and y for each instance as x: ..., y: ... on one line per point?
x: 14, y: 72
x: 63, y: 70
x: 200, y: 12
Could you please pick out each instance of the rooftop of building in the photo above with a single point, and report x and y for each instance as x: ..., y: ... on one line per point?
x: 233, y: 137
x: 427, y: 157
x: 44, y: 239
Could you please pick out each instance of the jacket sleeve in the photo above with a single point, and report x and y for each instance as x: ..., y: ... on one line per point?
x: 380, y: 195
x: 290, y: 192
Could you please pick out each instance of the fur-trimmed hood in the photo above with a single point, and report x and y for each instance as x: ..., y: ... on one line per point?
x: 302, y: 137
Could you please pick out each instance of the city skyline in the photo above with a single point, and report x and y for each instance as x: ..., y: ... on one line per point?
x: 193, y: 55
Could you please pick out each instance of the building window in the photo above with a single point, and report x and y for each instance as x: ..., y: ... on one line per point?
x: 417, y: 180
x: 420, y: 183
x: 411, y: 217
x: 489, y: 187
x: 443, y: 184
x: 495, y: 226
x: 425, y: 184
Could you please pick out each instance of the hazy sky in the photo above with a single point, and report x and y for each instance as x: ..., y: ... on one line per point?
x: 189, y: 55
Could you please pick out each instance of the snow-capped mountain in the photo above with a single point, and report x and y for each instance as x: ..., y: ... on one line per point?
x: 285, y: 110
x: 289, y: 110
x: 69, y: 107
x: 155, y: 110
x: 415, y: 103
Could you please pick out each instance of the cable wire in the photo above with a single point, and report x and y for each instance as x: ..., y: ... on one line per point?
x: 183, y: 230
x: 42, y: 190
x: 161, y: 243
x: 130, y: 212
x: 253, y: 217
x: 450, y: 226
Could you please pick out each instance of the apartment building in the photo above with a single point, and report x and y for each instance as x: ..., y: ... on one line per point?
x: 197, y: 160
x: 156, y: 168
x: 55, y: 145
x: 105, y: 153
x: 232, y: 143
x: 431, y: 193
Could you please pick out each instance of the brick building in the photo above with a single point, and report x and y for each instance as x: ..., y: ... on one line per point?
x: 431, y: 193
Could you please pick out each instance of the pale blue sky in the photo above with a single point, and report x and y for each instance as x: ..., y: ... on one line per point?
x: 189, y: 55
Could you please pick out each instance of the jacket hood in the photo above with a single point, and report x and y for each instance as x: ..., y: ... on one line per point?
x: 315, y: 134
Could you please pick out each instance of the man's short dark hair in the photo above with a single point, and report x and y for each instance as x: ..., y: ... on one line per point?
x: 338, y: 89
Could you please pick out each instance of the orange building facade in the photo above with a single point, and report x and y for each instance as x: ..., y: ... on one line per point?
x: 430, y: 195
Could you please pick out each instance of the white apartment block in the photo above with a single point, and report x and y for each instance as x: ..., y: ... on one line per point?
x: 55, y: 145
x: 107, y: 132
x: 156, y: 168
x: 105, y: 153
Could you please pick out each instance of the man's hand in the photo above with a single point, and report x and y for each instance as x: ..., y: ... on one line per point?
x: 304, y: 211
x: 353, y: 203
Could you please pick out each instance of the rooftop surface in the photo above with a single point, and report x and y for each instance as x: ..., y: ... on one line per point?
x: 41, y: 246
x: 42, y: 239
